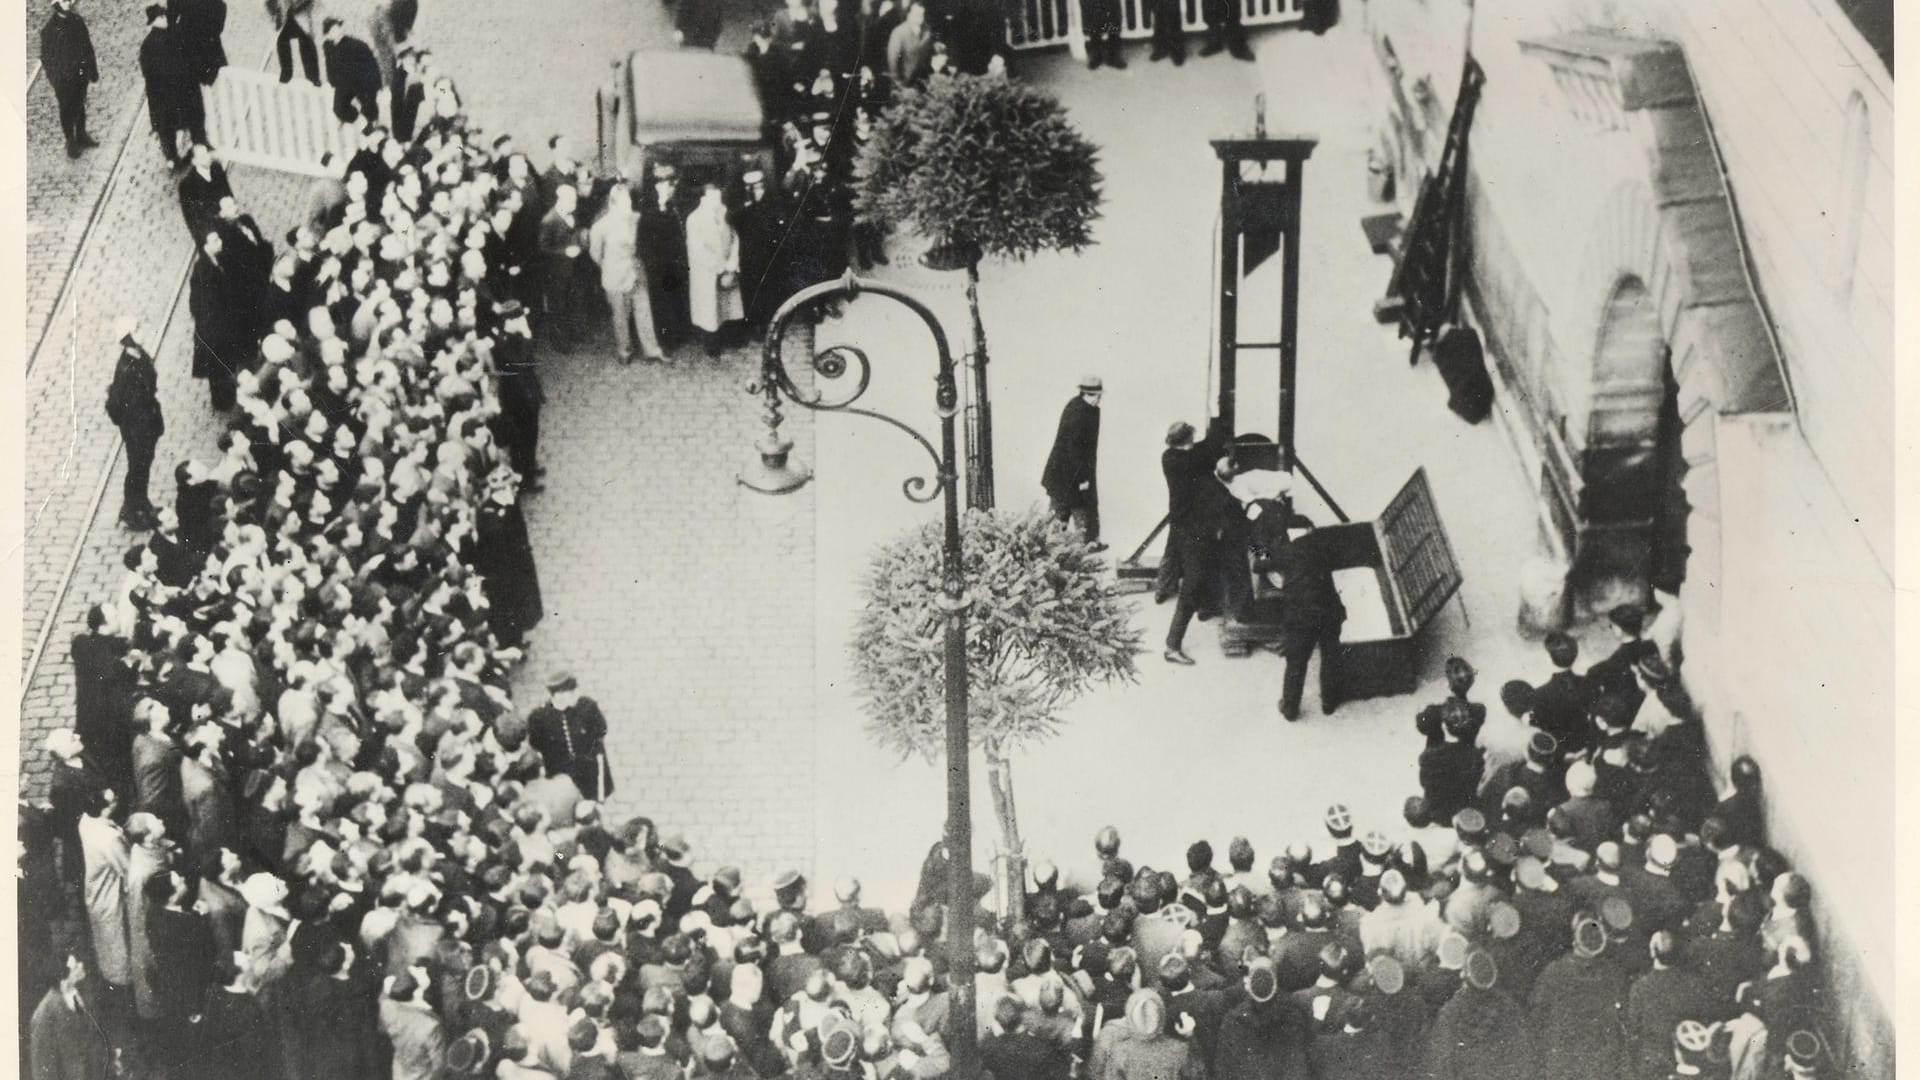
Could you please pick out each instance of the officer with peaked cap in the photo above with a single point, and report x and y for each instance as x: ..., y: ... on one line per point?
x: 1265, y: 1034
x: 569, y: 731
x: 1577, y: 1006
x: 1481, y: 1033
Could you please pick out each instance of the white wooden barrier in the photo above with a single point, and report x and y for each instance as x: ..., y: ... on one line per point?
x: 1039, y: 24
x: 255, y: 119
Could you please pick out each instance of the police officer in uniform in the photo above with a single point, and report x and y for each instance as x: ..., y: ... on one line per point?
x: 570, y: 732
x: 133, y: 404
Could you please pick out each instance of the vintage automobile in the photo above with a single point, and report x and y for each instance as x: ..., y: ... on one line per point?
x: 697, y: 110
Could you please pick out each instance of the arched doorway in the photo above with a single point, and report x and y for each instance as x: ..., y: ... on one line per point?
x: 1633, y: 506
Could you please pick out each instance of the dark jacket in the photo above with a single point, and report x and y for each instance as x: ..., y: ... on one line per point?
x: 103, y: 689
x: 200, y: 200
x: 66, y: 49
x: 352, y: 67
x: 1075, y: 445
x: 1309, y: 603
x: 1263, y: 1040
x: 173, y: 94
x: 1579, y: 1018
x: 133, y: 398
x: 573, y: 743
x: 1020, y: 1056
x: 698, y: 22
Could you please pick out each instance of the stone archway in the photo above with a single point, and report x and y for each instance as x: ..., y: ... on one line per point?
x: 1622, y: 456
x: 1677, y: 336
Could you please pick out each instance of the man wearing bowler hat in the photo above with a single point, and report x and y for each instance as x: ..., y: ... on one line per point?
x: 1069, y: 476
x: 570, y: 733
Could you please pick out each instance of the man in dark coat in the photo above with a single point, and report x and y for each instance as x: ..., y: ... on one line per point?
x: 1579, y: 1010
x: 760, y: 219
x: 662, y: 247
x: 1101, y: 19
x: 133, y: 404
x: 1224, y: 30
x: 201, y: 190
x: 1070, y: 476
x: 103, y: 689
x: 696, y: 23
x: 570, y: 732
x: 517, y: 427
x: 503, y: 555
x: 66, y: 56
x: 1450, y: 770
x: 198, y: 26
x: 1659, y: 1000
x: 219, y: 343
x: 66, y: 1039
x: 354, y: 72
x: 1265, y: 1036
x: 1480, y: 1033
x: 1310, y: 618
x: 1186, y: 568
x: 174, y: 104
x: 1169, y: 30
x: 1013, y: 1053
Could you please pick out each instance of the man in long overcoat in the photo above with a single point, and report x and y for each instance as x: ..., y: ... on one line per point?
x: 1311, y: 614
x: 1203, y: 532
x: 66, y: 56
x: 354, y: 72
x: 504, y: 556
x: 1069, y: 478
x: 662, y: 246
x: 103, y: 689
x: 174, y: 104
x: 570, y: 732
x: 1579, y: 1010
x: 218, y: 342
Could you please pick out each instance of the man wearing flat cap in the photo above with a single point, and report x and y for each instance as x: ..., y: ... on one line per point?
x: 570, y: 733
x: 1069, y: 478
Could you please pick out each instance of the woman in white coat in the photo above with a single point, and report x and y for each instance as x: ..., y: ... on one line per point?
x: 104, y: 848
x: 713, y: 268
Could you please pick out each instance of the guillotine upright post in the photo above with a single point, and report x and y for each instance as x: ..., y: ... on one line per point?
x: 1259, y: 218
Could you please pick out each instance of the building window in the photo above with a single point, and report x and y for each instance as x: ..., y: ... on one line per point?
x: 1856, y: 154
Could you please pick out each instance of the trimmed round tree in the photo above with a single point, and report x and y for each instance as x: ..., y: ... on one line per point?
x: 982, y: 166
x: 1044, y: 627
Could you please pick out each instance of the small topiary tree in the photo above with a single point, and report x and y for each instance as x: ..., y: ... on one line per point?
x: 981, y: 166
x: 1045, y: 626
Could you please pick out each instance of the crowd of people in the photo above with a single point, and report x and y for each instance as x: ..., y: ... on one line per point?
x: 300, y: 829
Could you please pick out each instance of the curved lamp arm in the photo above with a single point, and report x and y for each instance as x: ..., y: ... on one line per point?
x: 835, y: 362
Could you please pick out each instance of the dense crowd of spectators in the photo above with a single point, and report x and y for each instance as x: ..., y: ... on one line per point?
x: 299, y: 829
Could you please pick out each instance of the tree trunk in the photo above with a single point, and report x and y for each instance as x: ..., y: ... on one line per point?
x: 1012, y: 859
x: 980, y: 430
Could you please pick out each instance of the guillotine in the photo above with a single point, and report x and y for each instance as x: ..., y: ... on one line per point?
x: 1395, y: 573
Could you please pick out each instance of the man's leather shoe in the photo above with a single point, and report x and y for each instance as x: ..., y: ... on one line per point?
x: 87, y: 141
x: 1114, y: 59
x: 1327, y: 707
x: 1211, y: 48
x: 1176, y: 656
x: 1179, y: 58
x: 1289, y: 716
x: 1240, y: 51
x: 1094, y: 58
x: 1158, y: 53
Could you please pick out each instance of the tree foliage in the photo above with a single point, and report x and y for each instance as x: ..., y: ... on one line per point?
x: 1043, y: 628
x: 981, y: 161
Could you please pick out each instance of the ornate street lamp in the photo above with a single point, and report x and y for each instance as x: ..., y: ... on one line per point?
x: 775, y: 472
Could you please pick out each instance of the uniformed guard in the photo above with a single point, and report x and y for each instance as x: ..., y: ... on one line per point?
x: 570, y: 733
x: 133, y: 404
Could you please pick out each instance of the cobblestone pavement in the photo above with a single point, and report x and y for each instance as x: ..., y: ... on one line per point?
x: 62, y: 192
x: 682, y: 601
x: 134, y: 263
